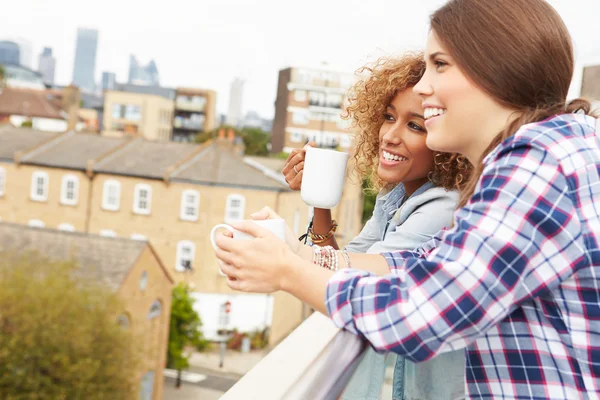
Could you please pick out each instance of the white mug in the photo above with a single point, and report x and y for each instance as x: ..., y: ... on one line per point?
x: 323, y: 177
x: 277, y: 226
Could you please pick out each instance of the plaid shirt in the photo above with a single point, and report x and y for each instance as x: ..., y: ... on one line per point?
x: 516, y: 281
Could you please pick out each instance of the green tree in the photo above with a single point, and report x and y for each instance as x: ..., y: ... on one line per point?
x: 184, y: 330
x: 2, y: 72
x: 59, y: 337
x: 369, y: 200
x: 256, y: 141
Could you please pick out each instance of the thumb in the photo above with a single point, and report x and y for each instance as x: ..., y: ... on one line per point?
x: 250, y: 228
x: 265, y: 213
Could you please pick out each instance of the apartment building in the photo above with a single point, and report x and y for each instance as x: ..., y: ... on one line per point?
x: 195, y: 112
x: 308, y: 108
x: 129, y: 268
x: 144, y: 115
x: 590, y: 85
x: 170, y: 194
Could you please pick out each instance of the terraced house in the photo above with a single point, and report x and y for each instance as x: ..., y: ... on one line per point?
x: 170, y: 194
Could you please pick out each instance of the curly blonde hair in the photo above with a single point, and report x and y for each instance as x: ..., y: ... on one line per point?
x: 366, y: 105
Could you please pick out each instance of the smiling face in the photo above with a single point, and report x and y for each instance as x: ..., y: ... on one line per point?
x: 403, y: 153
x: 460, y: 117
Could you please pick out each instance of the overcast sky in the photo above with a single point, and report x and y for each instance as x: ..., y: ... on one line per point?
x: 207, y: 43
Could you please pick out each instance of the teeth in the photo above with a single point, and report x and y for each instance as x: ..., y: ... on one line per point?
x: 433, y: 112
x: 392, y: 157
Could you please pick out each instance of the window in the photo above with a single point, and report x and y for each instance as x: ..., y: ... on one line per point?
x: 142, y: 199
x: 235, y: 207
x: 346, y: 141
x: 139, y: 236
x: 190, y: 202
x: 123, y: 321
x: 155, y: 309
x: 2, y: 181
x: 144, y: 281
x: 39, y: 186
x: 107, y: 233
x: 66, y: 228
x: 296, y: 137
x: 147, y: 386
x: 36, y: 223
x: 111, y: 195
x: 300, y: 117
x: 69, y: 194
x: 186, y: 251
x: 300, y: 96
x: 130, y: 112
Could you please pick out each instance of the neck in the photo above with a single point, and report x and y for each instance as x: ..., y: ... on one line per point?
x: 412, y: 186
x: 496, y: 124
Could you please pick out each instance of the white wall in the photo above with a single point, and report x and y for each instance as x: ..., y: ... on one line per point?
x: 249, y: 312
x: 42, y: 124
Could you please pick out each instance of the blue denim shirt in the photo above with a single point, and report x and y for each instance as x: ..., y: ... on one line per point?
x: 399, y: 224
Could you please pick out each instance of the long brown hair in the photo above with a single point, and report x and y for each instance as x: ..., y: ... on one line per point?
x: 517, y: 51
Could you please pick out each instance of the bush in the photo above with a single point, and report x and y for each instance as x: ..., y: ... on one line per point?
x: 59, y: 337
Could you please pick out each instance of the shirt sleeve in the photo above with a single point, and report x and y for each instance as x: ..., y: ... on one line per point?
x: 420, y: 227
x: 516, y: 239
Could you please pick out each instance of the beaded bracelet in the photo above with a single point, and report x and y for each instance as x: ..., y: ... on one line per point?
x: 326, y: 257
x: 320, y: 238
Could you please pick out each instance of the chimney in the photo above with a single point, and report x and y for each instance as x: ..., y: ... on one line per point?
x: 70, y: 104
x: 222, y: 133
x: 230, y: 135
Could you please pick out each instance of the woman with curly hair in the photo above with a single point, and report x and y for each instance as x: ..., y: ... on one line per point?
x: 417, y: 195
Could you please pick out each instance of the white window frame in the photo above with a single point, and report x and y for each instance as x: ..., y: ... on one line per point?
x: 2, y: 181
x: 106, y: 204
x: 36, y: 223
x: 139, y: 236
x: 107, y: 233
x: 155, y: 309
x: 66, y: 227
x: 136, y: 199
x: 179, y: 256
x: 300, y: 95
x: 300, y: 117
x: 241, y: 208
x: 185, y: 204
x: 296, y: 137
x: 64, y: 199
x: 346, y: 140
x: 34, y: 180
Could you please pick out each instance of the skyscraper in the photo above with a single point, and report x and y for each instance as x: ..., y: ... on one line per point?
x: 47, y: 65
x: 145, y: 75
x: 234, y: 116
x: 109, y: 80
x: 10, y: 53
x: 85, y: 59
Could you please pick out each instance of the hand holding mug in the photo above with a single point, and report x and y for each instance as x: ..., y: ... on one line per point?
x: 267, y: 213
x: 257, y: 265
x: 294, y: 166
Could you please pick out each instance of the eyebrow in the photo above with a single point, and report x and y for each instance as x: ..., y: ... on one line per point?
x: 410, y: 114
x: 437, y: 54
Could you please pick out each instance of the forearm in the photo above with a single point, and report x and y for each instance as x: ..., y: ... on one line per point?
x: 308, y: 283
x: 322, y: 224
x: 373, y: 263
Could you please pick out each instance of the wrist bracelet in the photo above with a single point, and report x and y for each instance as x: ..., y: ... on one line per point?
x: 346, y: 258
x: 318, y: 238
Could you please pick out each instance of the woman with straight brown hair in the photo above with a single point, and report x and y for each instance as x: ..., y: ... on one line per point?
x: 516, y: 281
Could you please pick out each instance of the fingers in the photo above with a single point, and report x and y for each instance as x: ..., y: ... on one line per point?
x: 231, y: 271
x: 296, y: 182
x: 225, y: 257
x: 289, y: 166
x: 249, y: 228
x: 311, y: 144
x: 265, y: 213
x: 292, y: 154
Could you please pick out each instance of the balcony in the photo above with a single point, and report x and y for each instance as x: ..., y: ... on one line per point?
x: 193, y: 124
x: 191, y: 103
x: 314, y: 362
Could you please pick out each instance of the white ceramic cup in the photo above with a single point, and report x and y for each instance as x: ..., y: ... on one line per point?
x: 277, y: 226
x: 323, y: 177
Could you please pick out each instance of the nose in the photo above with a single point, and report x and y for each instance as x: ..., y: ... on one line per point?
x: 393, y: 136
x: 423, y: 88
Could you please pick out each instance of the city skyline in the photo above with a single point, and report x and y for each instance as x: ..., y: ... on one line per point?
x: 236, y: 39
